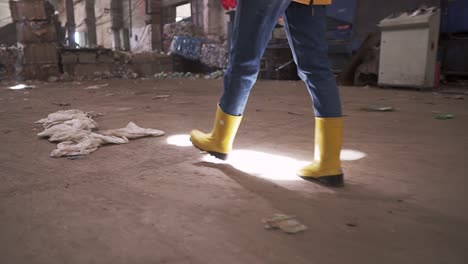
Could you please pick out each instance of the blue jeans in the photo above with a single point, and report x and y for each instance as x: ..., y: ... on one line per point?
x: 306, y: 29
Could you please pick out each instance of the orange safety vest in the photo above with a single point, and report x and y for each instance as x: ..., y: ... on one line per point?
x: 314, y: 2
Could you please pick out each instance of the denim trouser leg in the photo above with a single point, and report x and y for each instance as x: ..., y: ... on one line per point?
x: 306, y: 30
x: 254, y: 24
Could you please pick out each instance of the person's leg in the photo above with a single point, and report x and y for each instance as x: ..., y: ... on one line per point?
x: 253, y: 26
x: 306, y: 30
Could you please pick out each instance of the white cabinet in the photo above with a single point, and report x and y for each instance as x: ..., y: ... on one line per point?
x: 408, y: 52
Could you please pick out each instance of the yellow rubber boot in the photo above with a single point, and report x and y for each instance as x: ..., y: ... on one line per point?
x: 219, y: 142
x: 326, y: 168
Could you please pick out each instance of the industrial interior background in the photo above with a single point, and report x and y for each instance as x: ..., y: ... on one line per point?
x: 61, y: 39
x: 402, y: 66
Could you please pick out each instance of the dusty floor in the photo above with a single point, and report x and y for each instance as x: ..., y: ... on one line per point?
x: 152, y: 202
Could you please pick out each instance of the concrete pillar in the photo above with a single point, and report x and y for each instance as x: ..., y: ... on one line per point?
x: 197, y: 7
x: 91, y: 23
x: 70, y: 25
x: 117, y: 22
x: 155, y: 12
x: 169, y: 15
x: 214, y: 19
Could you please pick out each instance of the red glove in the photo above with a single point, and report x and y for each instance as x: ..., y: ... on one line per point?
x: 228, y: 4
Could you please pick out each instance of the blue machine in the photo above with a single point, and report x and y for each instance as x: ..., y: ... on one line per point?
x: 454, y: 39
x: 340, y: 32
x: 454, y: 16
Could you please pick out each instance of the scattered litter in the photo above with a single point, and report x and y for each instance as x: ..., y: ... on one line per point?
x: 63, y: 116
x: 21, y: 86
x: 444, y: 117
x: 351, y: 224
x: 286, y: 223
x: 292, y: 113
x: 75, y: 132
x: 132, y: 131
x: 97, y: 86
x: 459, y: 97
x: 173, y: 75
x: 52, y: 79
x: 66, y: 77
x: 379, y: 109
x: 61, y: 104
x: 124, y: 108
x: 216, y: 75
x: 178, y: 75
x: 161, y: 96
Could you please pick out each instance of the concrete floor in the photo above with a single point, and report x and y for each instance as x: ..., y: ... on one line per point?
x: 152, y: 202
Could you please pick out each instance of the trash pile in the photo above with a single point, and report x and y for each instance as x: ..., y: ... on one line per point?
x: 185, y: 40
x: 219, y: 74
x: 175, y: 75
x: 187, y: 47
x: 180, y: 28
x: 216, y: 75
x: 97, y: 64
x: 200, y: 49
x: 214, y: 55
x: 77, y: 134
x: 122, y: 61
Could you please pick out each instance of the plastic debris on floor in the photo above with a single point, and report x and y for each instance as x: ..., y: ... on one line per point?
x: 174, y: 75
x: 215, y: 75
x: 288, y: 224
x: 379, y: 109
x: 77, y: 134
x: 444, y: 117
x: 21, y: 86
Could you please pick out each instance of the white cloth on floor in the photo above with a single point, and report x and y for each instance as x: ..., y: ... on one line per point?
x: 74, y: 130
x: 132, y: 131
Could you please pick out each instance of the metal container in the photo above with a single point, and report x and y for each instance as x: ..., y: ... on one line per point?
x: 408, y: 54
